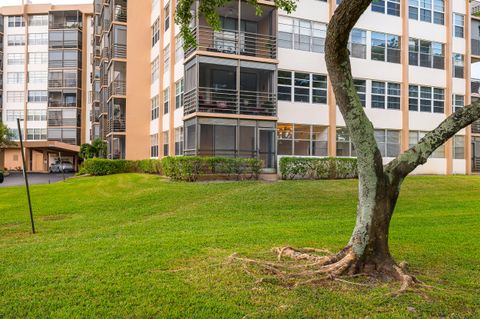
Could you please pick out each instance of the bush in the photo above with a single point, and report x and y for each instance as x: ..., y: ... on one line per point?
x: 100, y: 166
x: 189, y: 168
x: 318, y: 168
x: 149, y: 166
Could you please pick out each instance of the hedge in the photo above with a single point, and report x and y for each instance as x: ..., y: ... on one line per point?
x: 101, y: 166
x: 181, y: 168
x: 318, y: 168
x: 189, y: 168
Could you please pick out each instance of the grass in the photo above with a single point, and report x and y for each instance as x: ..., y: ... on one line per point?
x: 143, y: 247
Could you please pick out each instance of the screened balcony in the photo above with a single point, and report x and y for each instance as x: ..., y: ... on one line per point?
x: 226, y: 89
x: 65, y: 20
x: 242, y: 32
x: 116, y: 115
x: 117, y: 85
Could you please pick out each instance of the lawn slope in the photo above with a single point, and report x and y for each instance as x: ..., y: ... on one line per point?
x: 140, y: 246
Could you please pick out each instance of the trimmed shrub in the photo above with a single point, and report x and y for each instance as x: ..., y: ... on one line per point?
x: 318, y: 168
x: 189, y: 168
x: 100, y: 166
x: 149, y: 166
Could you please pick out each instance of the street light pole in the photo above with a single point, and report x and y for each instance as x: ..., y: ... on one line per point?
x: 25, y: 176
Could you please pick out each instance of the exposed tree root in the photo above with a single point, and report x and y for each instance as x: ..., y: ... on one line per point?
x: 310, y: 266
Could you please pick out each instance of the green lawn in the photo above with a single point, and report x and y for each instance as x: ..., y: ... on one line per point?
x: 143, y: 247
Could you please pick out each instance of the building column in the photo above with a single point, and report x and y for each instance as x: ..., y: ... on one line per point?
x: 45, y: 161
x: 171, y: 136
x: 449, y: 82
x: 161, y: 66
x: 404, y: 138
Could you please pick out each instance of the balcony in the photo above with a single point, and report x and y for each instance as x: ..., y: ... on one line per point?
x: 116, y: 125
x: 234, y: 42
x: 475, y: 8
x: 117, y: 51
x: 225, y: 101
x: 117, y: 88
x: 475, y: 47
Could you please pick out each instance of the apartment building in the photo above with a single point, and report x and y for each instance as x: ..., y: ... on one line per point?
x: 45, y: 63
x: 257, y: 88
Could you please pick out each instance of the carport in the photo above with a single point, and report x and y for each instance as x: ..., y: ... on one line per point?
x: 40, y: 154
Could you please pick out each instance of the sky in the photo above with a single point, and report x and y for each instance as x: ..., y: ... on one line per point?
x: 17, y: 2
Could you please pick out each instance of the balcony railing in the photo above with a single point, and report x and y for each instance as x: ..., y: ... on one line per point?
x: 234, y: 42
x: 118, y: 51
x: 116, y: 125
x: 117, y: 88
x: 224, y: 101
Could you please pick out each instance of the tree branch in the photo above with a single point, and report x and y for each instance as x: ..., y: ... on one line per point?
x: 406, y: 162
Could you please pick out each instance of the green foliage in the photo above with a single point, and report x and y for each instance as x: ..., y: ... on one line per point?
x: 208, y: 9
x: 98, y: 148
x: 6, y: 136
x: 149, y: 166
x: 189, y: 168
x: 318, y: 168
x: 100, y: 166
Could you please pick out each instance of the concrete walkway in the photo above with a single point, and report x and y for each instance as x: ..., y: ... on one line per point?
x: 16, y: 179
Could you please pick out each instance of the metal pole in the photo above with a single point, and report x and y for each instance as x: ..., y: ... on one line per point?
x: 25, y: 174
x: 61, y: 165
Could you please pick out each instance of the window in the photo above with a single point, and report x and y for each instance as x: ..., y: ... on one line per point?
x: 415, y: 136
x: 301, y: 34
x: 38, y: 58
x: 459, y: 147
x: 427, y: 54
x: 155, y: 72
x: 15, y: 77
x: 300, y: 139
x: 154, y: 145
x: 344, y: 143
x: 166, y: 58
x: 165, y: 143
x: 38, y: 20
x: 155, y: 32
x: 155, y: 108
x: 36, y: 115
x: 426, y: 99
x: 13, y: 115
x: 458, y: 25
x: 179, y: 140
x: 285, y: 86
x: 319, y: 88
x: 307, y: 88
x: 458, y: 66
x: 16, y: 40
x: 166, y: 14
x: 15, y: 97
x: 302, y: 87
x: 37, y: 77
x: 37, y: 39
x: 385, y: 94
x: 427, y: 11
x: 166, y: 100
x: 179, y: 94
x: 361, y: 86
x: 16, y: 58
x: 458, y: 102
x: 37, y: 96
x: 178, y: 48
x: 388, y: 142
x: 390, y: 7
x: 358, y: 43
x: 16, y: 22
x: 36, y: 134
x: 385, y: 47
